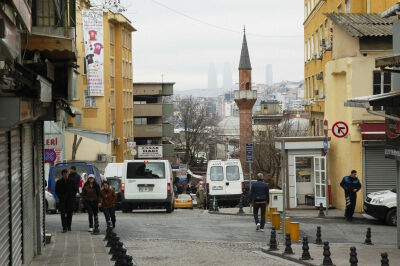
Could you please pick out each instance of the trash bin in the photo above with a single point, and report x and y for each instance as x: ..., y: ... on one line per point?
x: 276, y: 199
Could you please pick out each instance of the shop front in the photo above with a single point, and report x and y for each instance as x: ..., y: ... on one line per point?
x: 306, y: 168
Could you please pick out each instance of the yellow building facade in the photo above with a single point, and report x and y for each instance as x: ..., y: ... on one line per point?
x: 105, y: 123
x: 318, y: 49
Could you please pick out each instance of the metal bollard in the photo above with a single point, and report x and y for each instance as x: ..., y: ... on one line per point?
x: 353, y: 257
x: 276, y: 220
x: 241, y: 205
x: 321, y: 211
x: 273, y: 244
x: 306, y: 253
x: 288, y: 244
x: 108, y: 233
x: 327, y: 255
x: 112, y: 239
x: 287, y: 225
x: 368, y: 237
x: 295, y: 231
x: 266, y: 213
x: 318, y: 240
x: 384, y: 259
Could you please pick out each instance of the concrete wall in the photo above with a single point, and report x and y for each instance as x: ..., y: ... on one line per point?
x: 88, y: 149
x: 343, y: 44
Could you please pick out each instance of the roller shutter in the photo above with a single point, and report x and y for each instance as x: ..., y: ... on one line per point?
x: 40, y: 184
x: 4, y: 200
x: 380, y: 172
x: 28, y: 217
x: 16, y: 198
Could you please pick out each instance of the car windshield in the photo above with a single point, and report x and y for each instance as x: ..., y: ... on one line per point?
x: 80, y: 169
x: 232, y: 173
x: 141, y: 170
x: 184, y: 196
x: 216, y: 173
x: 114, y: 183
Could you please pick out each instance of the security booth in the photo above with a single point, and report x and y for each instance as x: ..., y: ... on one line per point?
x: 306, y: 168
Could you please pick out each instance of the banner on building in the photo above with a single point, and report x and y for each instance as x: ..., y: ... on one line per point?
x: 150, y: 151
x: 392, y: 128
x: 94, y: 50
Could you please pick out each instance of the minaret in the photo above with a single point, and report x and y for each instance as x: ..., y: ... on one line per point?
x: 245, y: 99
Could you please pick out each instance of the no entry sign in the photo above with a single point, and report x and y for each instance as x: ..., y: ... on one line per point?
x: 325, y: 127
x: 340, y: 129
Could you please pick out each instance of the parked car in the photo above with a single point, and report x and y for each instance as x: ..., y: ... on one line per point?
x: 147, y: 184
x: 81, y: 167
x: 50, y: 203
x: 115, y: 183
x: 382, y: 205
x: 113, y: 170
x: 183, y: 201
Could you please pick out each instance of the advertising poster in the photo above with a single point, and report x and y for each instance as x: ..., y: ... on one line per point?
x: 94, y: 50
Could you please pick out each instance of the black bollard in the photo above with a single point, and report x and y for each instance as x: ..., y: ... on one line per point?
x: 273, y: 244
x: 108, y: 233
x: 368, y: 237
x: 114, y: 247
x: 306, y: 253
x: 216, y: 205
x: 118, y: 252
x: 321, y: 211
x: 327, y: 255
x: 114, y: 238
x: 318, y: 240
x: 96, y: 230
x: 288, y: 244
x: 241, y: 206
x: 384, y: 259
x: 353, y: 257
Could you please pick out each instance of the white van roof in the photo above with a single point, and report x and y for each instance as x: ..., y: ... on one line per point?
x: 113, y: 169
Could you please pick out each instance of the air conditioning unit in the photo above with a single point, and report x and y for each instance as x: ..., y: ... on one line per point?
x: 320, y: 76
x: 101, y: 157
x: 323, y: 43
x: 117, y: 142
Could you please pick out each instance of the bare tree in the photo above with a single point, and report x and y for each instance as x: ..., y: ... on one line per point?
x: 197, y: 126
x: 75, y: 146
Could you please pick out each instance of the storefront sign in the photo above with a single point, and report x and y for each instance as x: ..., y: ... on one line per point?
x: 131, y: 144
x: 53, y: 141
x: 150, y: 151
x: 94, y: 50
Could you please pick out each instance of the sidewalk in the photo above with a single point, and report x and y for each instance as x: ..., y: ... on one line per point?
x: 74, y: 248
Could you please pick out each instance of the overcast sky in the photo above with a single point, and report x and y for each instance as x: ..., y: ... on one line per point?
x: 181, y: 49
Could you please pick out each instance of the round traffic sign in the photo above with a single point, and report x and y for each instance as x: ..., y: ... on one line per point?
x: 340, y: 129
x: 50, y: 156
x: 326, y: 127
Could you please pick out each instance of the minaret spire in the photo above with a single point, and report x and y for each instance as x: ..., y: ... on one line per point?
x: 244, y: 56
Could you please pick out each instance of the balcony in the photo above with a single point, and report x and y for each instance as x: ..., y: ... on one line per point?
x: 148, y: 88
x: 153, y: 110
x: 154, y: 131
x: 245, y: 95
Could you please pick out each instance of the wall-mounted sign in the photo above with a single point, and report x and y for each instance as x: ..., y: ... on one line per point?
x: 150, y: 151
x: 53, y: 141
x: 340, y: 129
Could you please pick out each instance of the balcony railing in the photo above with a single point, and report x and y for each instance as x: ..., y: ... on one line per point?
x: 154, y: 131
x: 245, y: 95
x: 153, y: 110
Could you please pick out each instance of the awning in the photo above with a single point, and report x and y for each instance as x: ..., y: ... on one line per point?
x: 391, y: 99
x: 194, y: 175
x: 99, y: 136
x: 375, y: 131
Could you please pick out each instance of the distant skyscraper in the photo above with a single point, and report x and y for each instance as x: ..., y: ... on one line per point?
x: 268, y: 75
x: 212, y: 77
x: 227, y: 77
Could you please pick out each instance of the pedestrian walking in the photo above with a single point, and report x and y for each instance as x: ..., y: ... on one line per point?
x: 75, y: 178
x: 351, y: 186
x: 108, y: 200
x: 65, y: 191
x: 91, y: 202
x: 201, y: 196
x: 259, y: 199
x: 81, y: 184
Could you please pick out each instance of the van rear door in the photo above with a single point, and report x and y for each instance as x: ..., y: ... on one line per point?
x: 146, y: 180
x: 233, y: 183
x: 216, y: 179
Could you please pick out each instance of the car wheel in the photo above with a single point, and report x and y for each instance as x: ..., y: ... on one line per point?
x: 170, y: 208
x: 391, y: 217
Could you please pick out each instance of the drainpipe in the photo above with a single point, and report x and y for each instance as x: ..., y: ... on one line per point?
x: 368, y: 6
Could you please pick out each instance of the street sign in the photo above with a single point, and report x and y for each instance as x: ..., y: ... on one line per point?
x: 340, y: 129
x: 249, y: 152
x: 325, y: 127
x: 49, y: 156
x: 326, y: 145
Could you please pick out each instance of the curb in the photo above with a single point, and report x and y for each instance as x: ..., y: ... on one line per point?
x: 232, y: 214
x: 282, y: 256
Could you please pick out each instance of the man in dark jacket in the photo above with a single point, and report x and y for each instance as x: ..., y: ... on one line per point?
x: 259, y: 198
x: 65, y: 190
x: 76, y: 179
x: 351, y: 186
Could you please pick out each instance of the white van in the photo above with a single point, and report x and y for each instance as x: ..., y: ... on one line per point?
x: 147, y: 184
x: 225, y: 181
x: 113, y: 170
x: 382, y: 205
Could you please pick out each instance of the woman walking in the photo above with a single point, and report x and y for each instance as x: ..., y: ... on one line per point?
x: 108, y: 200
x: 91, y: 202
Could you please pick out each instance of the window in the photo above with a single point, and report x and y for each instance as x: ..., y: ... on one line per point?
x: 309, y: 7
x: 232, y: 173
x: 145, y: 171
x: 305, y: 52
x: 348, y: 6
x: 326, y: 30
x: 317, y: 41
x: 112, y: 99
x: 140, y: 121
x: 111, y: 34
x: 112, y: 67
x: 340, y: 8
x: 305, y: 11
x: 216, y: 173
x: 387, y: 82
x: 90, y: 101
x: 312, y: 46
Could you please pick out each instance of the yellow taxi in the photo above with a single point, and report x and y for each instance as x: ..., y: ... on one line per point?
x: 183, y: 201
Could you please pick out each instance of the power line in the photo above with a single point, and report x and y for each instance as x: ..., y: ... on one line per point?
x: 220, y: 27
